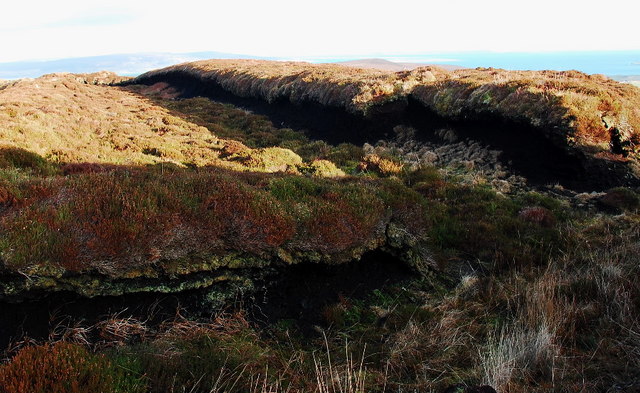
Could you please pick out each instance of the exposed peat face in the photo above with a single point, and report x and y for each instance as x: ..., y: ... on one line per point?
x: 50, y: 315
x: 526, y: 150
x: 303, y: 292
x: 331, y: 124
x: 299, y: 292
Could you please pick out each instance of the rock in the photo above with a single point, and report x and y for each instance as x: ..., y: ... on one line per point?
x: 447, y: 135
x: 430, y: 157
x: 620, y: 199
x: 367, y: 148
x: 502, y: 186
x: 461, y: 388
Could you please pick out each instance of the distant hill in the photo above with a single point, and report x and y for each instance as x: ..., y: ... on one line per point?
x: 632, y: 79
x: 122, y: 64
x: 382, y: 64
x: 138, y: 63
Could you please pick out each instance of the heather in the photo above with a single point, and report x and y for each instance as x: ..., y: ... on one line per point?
x: 550, y: 309
x: 122, y: 221
x: 151, y: 243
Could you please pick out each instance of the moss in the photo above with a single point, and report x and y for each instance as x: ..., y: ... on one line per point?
x: 270, y: 159
x: 321, y: 168
x: 13, y: 157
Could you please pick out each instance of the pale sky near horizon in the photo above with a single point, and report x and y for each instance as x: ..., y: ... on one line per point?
x: 296, y: 29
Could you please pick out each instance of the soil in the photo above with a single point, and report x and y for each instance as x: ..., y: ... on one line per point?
x: 299, y: 293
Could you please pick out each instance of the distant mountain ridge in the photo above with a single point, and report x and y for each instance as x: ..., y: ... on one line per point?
x: 631, y: 79
x: 614, y: 64
x: 383, y: 64
x: 136, y: 64
x: 122, y: 64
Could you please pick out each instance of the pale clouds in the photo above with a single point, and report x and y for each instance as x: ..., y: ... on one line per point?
x: 71, y: 28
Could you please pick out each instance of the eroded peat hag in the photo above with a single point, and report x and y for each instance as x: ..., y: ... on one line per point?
x: 299, y: 293
x: 325, y: 122
x: 566, y: 148
x: 128, y: 221
x: 60, y: 316
x: 523, y: 149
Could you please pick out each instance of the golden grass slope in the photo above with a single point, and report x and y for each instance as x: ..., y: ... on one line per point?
x: 572, y: 107
x: 71, y: 118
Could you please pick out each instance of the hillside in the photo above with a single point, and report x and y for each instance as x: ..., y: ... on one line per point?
x: 112, y: 139
x: 319, y: 228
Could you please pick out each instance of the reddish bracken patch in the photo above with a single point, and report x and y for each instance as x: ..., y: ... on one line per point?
x: 83, y: 167
x: 538, y: 215
x: 7, y: 199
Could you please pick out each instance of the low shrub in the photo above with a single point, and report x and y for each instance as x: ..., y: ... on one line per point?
x: 65, y: 368
x: 622, y: 199
x: 383, y: 166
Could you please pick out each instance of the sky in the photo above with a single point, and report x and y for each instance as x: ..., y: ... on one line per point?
x: 295, y: 29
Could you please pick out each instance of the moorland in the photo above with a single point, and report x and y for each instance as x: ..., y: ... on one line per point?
x: 255, y: 226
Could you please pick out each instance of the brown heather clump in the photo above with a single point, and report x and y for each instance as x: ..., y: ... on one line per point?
x: 63, y: 368
x: 538, y: 215
x: 7, y: 199
x: 127, y: 220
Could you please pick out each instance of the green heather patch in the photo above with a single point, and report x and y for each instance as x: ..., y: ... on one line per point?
x: 128, y: 220
x: 475, y: 222
x: 228, y: 122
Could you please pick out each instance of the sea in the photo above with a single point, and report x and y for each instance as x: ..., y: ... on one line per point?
x: 612, y: 63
